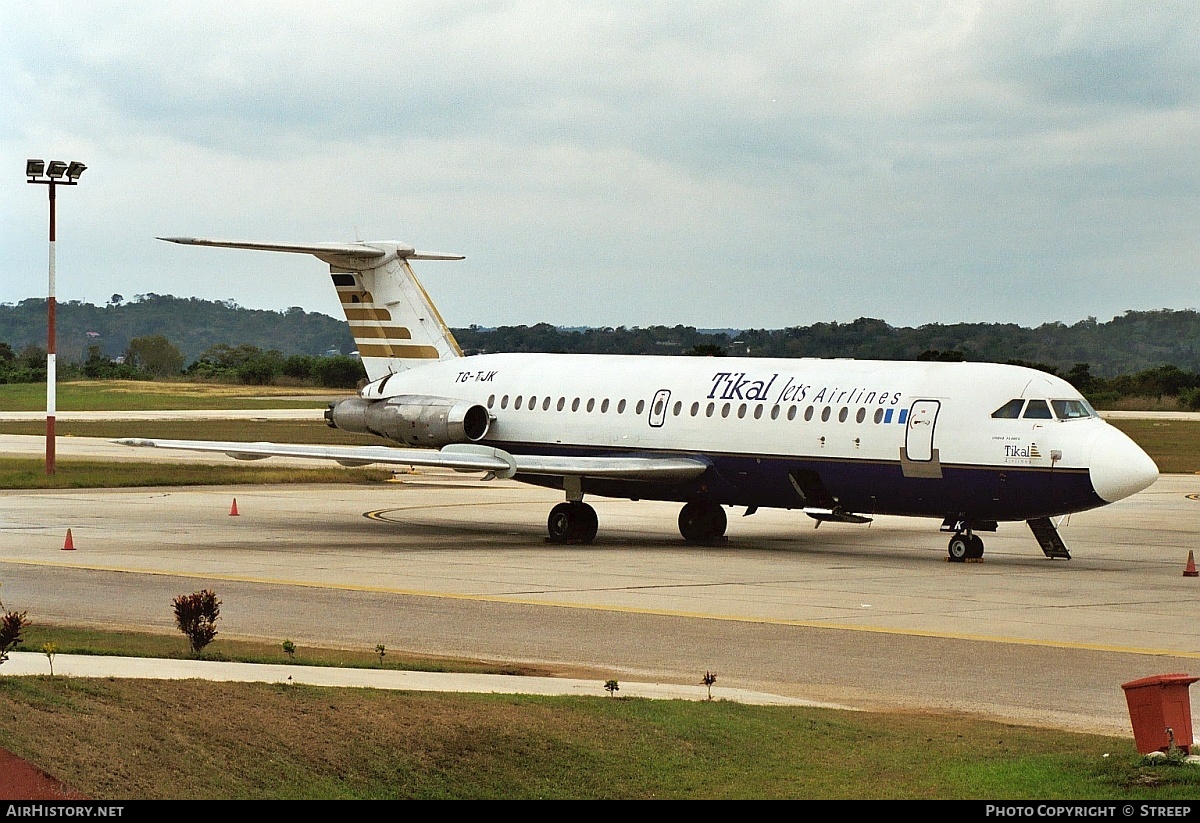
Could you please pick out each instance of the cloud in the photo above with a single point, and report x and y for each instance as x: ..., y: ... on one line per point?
x: 724, y: 164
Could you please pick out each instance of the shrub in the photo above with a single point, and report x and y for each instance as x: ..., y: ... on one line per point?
x: 11, y: 626
x: 196, y: 615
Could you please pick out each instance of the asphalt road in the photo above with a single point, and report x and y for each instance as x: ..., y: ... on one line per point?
x: 863, y: 616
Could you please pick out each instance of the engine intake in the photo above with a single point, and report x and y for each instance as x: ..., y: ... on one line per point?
x: 415, y: 420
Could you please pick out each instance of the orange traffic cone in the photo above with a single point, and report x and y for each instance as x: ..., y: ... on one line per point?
x: 68, y: 544
x: 233, y: 512
x: 1190, y: 569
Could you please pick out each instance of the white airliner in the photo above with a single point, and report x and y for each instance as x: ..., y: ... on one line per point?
x: 971, y: 444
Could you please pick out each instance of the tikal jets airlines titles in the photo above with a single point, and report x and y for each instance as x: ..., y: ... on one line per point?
x: 971, y: 444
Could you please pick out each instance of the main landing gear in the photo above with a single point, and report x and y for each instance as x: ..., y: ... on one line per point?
x: 700, y: 521
x: 572, y: 522
x: 965, y: 547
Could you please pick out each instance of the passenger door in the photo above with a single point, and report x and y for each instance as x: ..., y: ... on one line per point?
x: 918, y: 436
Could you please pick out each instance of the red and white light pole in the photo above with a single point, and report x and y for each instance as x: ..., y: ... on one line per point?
x: 54, y: 172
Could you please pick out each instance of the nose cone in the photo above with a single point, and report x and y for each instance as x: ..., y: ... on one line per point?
x: 1118, y: 466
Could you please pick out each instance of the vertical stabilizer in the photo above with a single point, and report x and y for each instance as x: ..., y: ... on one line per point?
x: 394, y: 323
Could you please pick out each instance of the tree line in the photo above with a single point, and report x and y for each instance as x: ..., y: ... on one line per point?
x: 1146, y: 354
x: 154, y: 357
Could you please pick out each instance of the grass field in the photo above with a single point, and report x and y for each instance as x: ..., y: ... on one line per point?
x: 192, y: 739
x: 118, y: 395
x: 136, y: 739
x: 1174, y: 444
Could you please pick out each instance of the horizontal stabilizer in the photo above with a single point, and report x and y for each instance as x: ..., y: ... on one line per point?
x: 356, y: 250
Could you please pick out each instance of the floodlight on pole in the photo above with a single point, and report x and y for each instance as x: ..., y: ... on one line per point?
x: 54, y: 171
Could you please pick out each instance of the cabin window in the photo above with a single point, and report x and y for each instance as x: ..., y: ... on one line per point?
x: 678, y: 408
x: 1071, y: 409
x: 708, y: 411
x: 775, y: 412
x: 808, y: 413
x: 1010, y: 410
x: 562, y: 401
x: 591, y: 404
x: 517, y: 402
x: 575, y: 405
x: 758, y: 411
x: 825, y: 412
x: 843, y: 414
x: 1038, y: 410
x: 658, y: 408
x: 725, y: 410
x: 546, y: 404
x: 604, y: 406
x: 878, y: 416
x: 861, y: 416
x: 620, y: 407
x: 491, y: 400
x: 533, y: 404
x: 504, y: 402
x: 641, y: 406
x: 741, y: 411
x: 792, y: 412
x: 695, y: 409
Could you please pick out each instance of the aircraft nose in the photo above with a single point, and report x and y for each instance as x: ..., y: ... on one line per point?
x: 1118, y: 466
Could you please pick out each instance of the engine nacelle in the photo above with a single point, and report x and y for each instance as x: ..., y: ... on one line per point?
x: 415, y: 420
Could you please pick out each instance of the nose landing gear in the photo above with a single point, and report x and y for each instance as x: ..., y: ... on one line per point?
x: 965, y: 547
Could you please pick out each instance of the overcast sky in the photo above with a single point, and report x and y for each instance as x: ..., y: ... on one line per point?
x: 713, y: 164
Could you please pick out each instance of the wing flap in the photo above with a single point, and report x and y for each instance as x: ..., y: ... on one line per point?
x: 460, y: 457
x: 346, y: 455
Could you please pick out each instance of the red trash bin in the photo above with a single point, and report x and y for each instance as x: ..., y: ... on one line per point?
x: 1156, y: 704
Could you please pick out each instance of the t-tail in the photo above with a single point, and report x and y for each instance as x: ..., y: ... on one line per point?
x: 394, y: 323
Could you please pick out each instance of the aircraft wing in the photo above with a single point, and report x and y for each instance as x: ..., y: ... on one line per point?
x: 463, y: 457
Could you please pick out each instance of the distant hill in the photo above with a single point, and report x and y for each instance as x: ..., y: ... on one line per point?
x: 192, y: 325
x: 1129, y: 343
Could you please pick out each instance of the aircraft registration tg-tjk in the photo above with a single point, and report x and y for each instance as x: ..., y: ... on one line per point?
x: 972, y: 444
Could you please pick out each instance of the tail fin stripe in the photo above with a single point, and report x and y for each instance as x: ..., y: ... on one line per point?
x: 384, y: 332
x: 393, y: 350
x: 378, y: 315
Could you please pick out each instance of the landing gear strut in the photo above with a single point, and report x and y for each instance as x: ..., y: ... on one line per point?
x: 702, y: 521
x: 572, y: 522
x: 965, y: 547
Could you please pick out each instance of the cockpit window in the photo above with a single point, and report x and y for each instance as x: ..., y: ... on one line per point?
x: 1038, y: 410
x: 1010, y: 410
x: 1071, y: 409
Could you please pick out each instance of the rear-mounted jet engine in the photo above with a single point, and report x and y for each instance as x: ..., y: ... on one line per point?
x: 415, y: 420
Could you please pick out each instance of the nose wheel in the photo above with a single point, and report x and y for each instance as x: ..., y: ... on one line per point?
x: 572, y: 522
x: 965, y: 547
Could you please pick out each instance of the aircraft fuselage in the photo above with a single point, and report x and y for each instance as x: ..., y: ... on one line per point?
x: 872, y: 437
